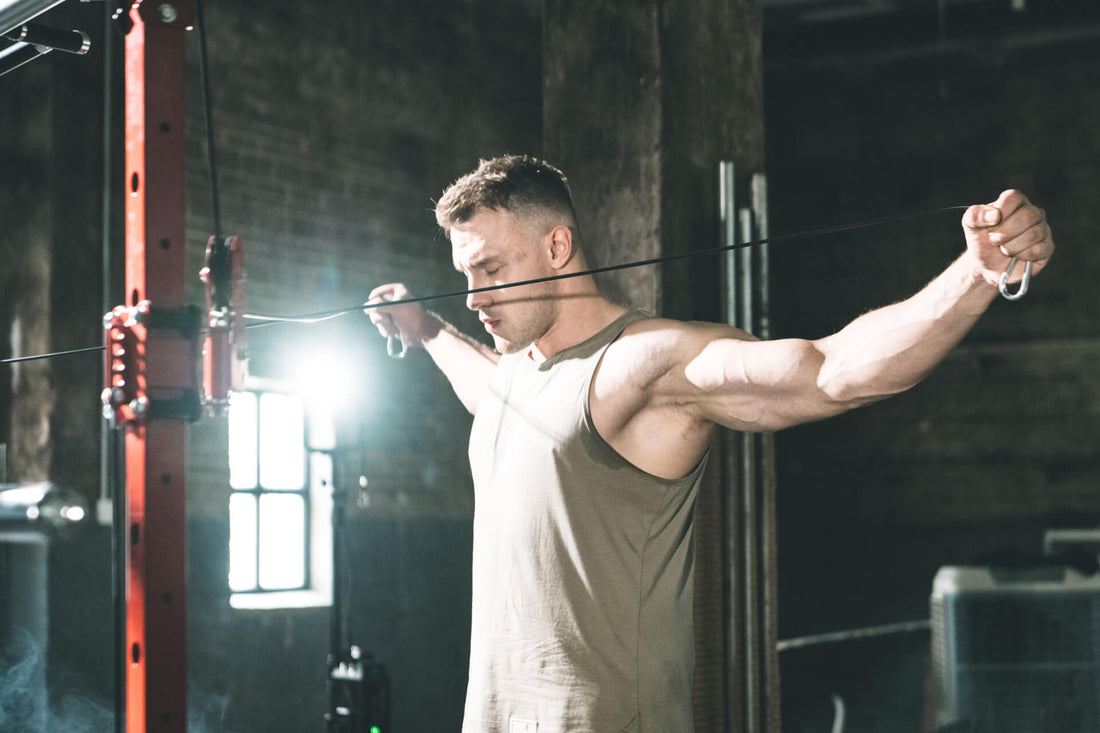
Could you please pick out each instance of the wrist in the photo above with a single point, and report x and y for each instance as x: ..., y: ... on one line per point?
x: 977, y: 274
x: 430, y: 326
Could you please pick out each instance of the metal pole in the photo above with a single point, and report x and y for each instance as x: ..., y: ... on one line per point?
x: 750, y: 528
x: 768, y: 480
x: 110, y: 508
x: 156, y: 598
x: 749, y: 466
x: 732, y: 519
x: 18, y: 12
x: 760, y: 215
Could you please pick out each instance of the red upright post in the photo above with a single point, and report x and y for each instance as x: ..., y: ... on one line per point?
x: 165, y: 393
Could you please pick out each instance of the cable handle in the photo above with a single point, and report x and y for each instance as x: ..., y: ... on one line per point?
x: 1024, y: 281
x: 395, y: 345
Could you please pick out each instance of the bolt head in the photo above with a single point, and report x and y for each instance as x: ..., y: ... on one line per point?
x: 168, y: 12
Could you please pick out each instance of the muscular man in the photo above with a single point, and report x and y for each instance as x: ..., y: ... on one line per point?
x: 591, y: 427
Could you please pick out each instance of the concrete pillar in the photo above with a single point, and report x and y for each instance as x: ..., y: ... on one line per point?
x: 641, y: 101
x: 26, y: 132
x: 602, y: 124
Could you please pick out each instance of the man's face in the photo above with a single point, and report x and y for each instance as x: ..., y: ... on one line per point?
x: 493, y: 248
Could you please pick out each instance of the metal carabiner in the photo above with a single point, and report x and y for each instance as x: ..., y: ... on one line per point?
x: 1024, y: 281
x: 395, y: 347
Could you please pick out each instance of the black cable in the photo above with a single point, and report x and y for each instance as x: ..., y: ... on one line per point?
x: 17, y: 359
x: 208, y: 117
x: 269, y: 320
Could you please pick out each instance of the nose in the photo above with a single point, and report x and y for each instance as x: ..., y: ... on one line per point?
x: 477, y: 301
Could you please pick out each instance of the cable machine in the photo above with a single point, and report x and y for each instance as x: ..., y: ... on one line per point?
x: 150, y: 366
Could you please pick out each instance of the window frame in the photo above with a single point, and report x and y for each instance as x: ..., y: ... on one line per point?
x: 316, y: 496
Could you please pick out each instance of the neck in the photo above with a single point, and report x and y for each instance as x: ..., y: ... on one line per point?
x: 580, y: 316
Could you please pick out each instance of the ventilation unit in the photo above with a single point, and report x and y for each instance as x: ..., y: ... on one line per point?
x: 1016, y: 650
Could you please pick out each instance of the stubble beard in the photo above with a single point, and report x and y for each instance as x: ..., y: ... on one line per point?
x: 527, y: 327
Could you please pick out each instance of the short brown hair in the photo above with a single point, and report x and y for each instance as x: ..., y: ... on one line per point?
x: 526, y: 187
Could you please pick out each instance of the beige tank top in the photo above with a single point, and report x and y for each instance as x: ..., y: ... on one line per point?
x: 582, y: 563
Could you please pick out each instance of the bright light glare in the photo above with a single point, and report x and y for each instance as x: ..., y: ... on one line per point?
x: 322, y: 427
x: 327, y: 379
x: 24, y: 495
x: 242, y: 542
x: 72, y: 513
x: 282, y: 441
x: 282, y: 560
x: 242, y: 440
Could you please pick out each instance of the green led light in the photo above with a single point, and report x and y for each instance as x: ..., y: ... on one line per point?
x: 375, y: 729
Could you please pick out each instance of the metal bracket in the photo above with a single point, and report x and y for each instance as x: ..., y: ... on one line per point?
x: 225, y: 353
x: 131, y: 394
x: 31, y: 41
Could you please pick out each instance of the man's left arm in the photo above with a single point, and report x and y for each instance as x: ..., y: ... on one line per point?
x: 891, y: 349
x: 753, y: 385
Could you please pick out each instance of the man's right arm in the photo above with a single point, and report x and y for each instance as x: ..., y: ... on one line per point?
x: 467, y: 363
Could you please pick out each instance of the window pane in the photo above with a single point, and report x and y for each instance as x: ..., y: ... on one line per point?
x: 282, y: 541
x: 282, y: 442
x: 242, y: 542
x: 242, y: 440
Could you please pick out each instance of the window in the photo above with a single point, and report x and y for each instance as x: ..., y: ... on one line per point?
x: 280, y: 476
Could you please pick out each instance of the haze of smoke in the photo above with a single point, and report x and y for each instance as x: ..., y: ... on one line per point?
x: 24, y: 708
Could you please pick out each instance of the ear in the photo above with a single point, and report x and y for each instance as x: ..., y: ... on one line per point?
x: 561, y: 246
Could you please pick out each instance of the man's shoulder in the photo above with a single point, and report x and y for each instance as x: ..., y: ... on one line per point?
x: 653, y: 347
x: 634, y: 403
x: 648, y: 329
x: 645, y: 349
x: 667, y: 336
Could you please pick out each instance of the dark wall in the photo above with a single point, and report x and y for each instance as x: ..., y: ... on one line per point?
x: 1000, y: 442
x: 336, y: 125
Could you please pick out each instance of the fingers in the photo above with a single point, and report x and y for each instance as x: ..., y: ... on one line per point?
x: 1013, y: 225
x: 384, y: 323
x: 980, y: 217
x: 990, y: 215
x: 381, y: 317
x: 399, y: 318
x: 1024, y: 234
x: 390, y: 291
x: 1031, y: 243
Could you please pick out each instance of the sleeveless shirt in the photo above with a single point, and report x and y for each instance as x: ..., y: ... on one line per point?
x: 582, y: 563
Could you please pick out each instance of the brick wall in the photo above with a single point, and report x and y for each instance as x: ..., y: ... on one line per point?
x: 336, y: 124
x: 1001, y: 440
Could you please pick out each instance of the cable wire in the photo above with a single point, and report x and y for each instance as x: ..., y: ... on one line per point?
x: 54, y: 355
x: 208, y: 118
x: 268, y: 319
x: 308, y: 318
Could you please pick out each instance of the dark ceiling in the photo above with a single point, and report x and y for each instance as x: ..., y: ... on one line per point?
x: 842, y: 34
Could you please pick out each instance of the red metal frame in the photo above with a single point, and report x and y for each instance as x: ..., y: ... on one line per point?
x: 156, y: 619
